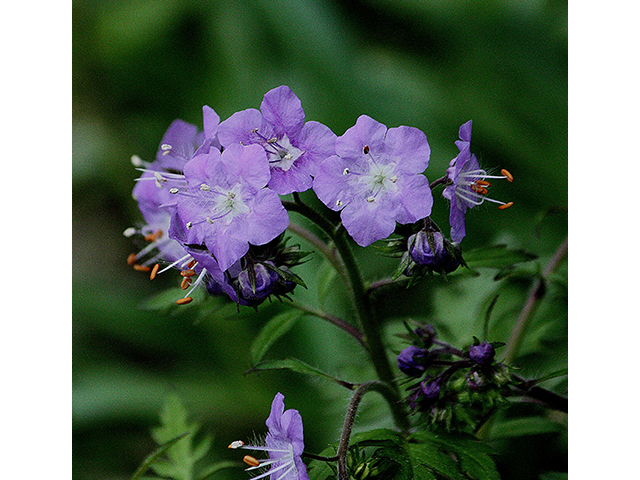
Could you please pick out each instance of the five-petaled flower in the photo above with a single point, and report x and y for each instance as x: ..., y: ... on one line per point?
x: 294, y: 148
x: 375, y: 179
x: 226, y: 205
x: 467, y: 184
x: 284, y: 444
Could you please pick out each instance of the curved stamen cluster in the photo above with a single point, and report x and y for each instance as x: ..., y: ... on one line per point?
x: 473, y: 187
x: 280, y: 152
x: 281, y: 461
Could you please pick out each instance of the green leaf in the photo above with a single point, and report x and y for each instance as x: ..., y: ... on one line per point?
x: 153, y: 457
x: 180, y: 458
x: 272, y: 331
x: 496, y: 256
x: 298, y: 366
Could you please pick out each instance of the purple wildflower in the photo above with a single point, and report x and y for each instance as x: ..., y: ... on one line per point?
x: 468, y: 184
x: 284, y: 443
x: 376, y: 179
x: 225, y: 206
x: 294, y: 148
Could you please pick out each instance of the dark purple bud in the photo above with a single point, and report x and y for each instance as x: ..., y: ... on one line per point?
x: 422, y: 253
x: 482, y: 354
x: 265, y: 281
x: 410, y: 361
x: 430, y: 390
x: 426, y: 333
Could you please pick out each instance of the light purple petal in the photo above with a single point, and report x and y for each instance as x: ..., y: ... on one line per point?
x: 282, y: 109
x: 318, y: 142
x: 465, y: 131
x: 416, y: 198
x: 268, y: 219
x: 296, y: 179
x: 367, y: 223
x: 366, y: 131
x: 408, y: 148
x: 331, y: 185
x: 239, y: 127
x: 247, y: 165
x: 182, y: 138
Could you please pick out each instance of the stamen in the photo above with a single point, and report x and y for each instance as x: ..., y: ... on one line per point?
x: 154, y: 271
x: 251, y: 461
x: 371, y: 199
x: 187, y: 273
x: 131, y: 259
x: 166, y: 149
x: 236, y: 444
x: 483, y: 183
x: 339, y: 203
x: 506, y: 205
x: 173, y: 190
x: 507, y: 174
x: 205, y: 188
x: 345, y: 171
x: 186, y: 281
x: 192, y: 263
x: 129, y: 232
x: 184, y: 301
x: 365, y: 149
x: 141, y: 268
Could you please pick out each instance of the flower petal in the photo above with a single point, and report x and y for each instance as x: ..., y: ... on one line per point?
x: 283, y: 109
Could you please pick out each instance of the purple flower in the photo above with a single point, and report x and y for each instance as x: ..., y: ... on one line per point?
x: 284, y: 443
x: 264, y: 282
x: 411, y: 361
x: 468, y: 184
x: 430, y: 389
x: 482, y: 354
x: 294, y: 148
x: 376, y: 179
x: 225, y: 206
x: 422, y: 253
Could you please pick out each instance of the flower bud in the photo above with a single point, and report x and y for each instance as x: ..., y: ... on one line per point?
x: 265, y: 281
x: 430, y: 390
x: 411, y: 361
x: 482, y: 354
x: 475, y: 380
x: 421, y: 251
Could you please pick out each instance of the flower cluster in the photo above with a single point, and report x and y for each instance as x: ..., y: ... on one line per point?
x: 442, y: 379
x: 212, y: 206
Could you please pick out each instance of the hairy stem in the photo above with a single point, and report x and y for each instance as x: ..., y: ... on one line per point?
x: 533, y: 299
x: 387, y: 392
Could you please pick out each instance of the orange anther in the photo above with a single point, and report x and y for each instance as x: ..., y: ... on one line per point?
x: 251, y: 461
x: 192, y: 263
x: 186, y: 281
x: 154, y: 271
x: 506, y: 205
x: 158, y: 234
x: 149, y: 237
x: 141, y: 268
x: 483, y: 183
x: 131, y: 259
x: 507, y: 174
x: 184, y: 301
x: 479, y: 189
x: 187, y: 273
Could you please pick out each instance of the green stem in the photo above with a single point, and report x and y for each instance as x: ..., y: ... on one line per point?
x: 533, y: 299
x: 388, y: 393
x: 361, y: 303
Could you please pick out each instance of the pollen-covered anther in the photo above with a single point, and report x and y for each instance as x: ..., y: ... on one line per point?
x: 506, y: 173
x: 478, y: 189
x: 141, y: 268
x: 186, y: 282
x: 184, y: 301
x: 345, y: 171
x: 483, y: 183
x: 371, y: 199
x: 166, y: 149
x: 365, y: 149
x: 506, y: 205
x: 205, y: 188
x: 236, y: 444
x: 251, y: 461
x: 131, y: 259
x: 187, y: 273
x: 154, y: 271
x: 174, y: 190
x: 339, y: 203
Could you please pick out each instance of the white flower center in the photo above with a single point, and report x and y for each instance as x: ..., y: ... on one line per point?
x: 281, y: 153
x: 227, y: 203
x: 379, y: 179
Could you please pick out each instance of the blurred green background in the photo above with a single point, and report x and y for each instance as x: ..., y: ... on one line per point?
x: 138, y: 65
